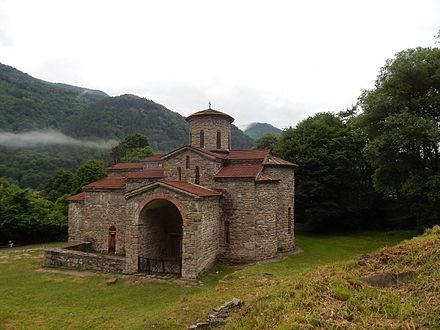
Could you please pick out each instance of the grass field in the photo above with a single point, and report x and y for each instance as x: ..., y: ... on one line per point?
x: 33, y: 297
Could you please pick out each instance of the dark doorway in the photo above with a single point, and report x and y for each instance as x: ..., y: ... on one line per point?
x: 112, y: 239
x: 160, y: 241
x: 175, y: 246
x: 160, y: 230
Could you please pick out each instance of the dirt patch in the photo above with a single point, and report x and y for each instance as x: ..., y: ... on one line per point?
x: 20, y: 255
x: 388, y: 280
x: 66, y: 272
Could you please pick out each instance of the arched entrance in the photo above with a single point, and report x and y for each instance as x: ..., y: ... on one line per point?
x: 160, y: 238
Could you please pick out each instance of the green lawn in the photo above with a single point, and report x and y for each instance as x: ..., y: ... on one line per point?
x: 32, y: 297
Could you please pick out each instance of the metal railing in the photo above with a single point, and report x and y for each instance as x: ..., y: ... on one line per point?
x: 159, y: 266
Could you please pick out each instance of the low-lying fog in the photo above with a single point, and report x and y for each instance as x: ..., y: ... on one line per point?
x: 48, y: 138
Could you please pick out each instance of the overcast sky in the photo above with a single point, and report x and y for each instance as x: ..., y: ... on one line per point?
x: 267, y: 61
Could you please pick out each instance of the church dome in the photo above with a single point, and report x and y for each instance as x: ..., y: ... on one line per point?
x: 210, y: 129
x: 210, y: 113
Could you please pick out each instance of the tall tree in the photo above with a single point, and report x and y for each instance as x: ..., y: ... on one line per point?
x: 332, y: 185
x: 59, y: 185
x: 401, y: 117
x: 267, y: 141
x: 88, y: 172
x: 26, y: 217
x: 132, y: 148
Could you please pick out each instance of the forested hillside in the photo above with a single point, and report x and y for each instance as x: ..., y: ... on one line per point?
x: 256, y: 130
x: 27, y: 103
x: 34, y: 166
x: 117, y: 117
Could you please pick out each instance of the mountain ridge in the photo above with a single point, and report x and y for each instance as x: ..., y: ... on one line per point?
x: 257, y: 129
x: 29, y: 104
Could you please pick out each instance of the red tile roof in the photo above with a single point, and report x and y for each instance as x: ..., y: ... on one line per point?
x: 248, y: 154
x: 191, y: 188
x: 239, y: 170
x: 78, y: 197
x: 125, y: 167
x: 210, y: 112
x: 154, y: 158
x: 148, y: 173
x: 275, y: 161
x: 107, y: 183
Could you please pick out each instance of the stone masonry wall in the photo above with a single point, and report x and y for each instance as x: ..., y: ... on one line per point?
x: 210, y: 126
x: 209, y: 208
x: 76, y: 221
x: 153, y: 164
x: 63, y: 258
x: 91, y: 221
x: 285, y: 196
x: 154, y: 228
x: 192, y: 210
x: 207, y: 168
x: 153, y: 238
x: 266, y: 242
x: 238, y: 207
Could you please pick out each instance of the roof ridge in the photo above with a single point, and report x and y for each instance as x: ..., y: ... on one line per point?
x: 200, y: 186
x: 201, y: 150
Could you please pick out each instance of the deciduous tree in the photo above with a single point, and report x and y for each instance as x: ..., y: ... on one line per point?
x: 401, y: 117
x: 332, y: 181
x: 134, y: 145
x: 267, y: 141
x: 88, y: 172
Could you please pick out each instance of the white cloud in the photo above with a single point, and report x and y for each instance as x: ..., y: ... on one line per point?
x: 275, y: 61
x: 47, y: 138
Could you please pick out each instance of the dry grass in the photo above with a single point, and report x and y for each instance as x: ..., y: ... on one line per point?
x: 333, y: 297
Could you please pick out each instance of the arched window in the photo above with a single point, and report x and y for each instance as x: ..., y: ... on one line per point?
x: 202, y: 139
x: 179, y: 174
x: 197, y: 178
x: 289, y: 220
x: 187, y: 163
x: 219, y: 140
x: 227, y: 232
x: 112, y: 239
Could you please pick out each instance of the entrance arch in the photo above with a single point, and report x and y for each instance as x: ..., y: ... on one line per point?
x: 160, y: 237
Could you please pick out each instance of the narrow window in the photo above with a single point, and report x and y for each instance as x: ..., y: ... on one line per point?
x: 219, y: 140
x: 202, y: 139
x: 112, y: 239
x: 197, y: 179
x: 227, y: 232
x: 188, y: 164
x: 289, y: 220
x: 179, y: 174
x: 229, y: 142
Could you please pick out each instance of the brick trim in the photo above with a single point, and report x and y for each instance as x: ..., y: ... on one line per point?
x: 154, y: 197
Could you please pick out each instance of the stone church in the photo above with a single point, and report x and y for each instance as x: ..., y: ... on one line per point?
x: 182, y: 211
